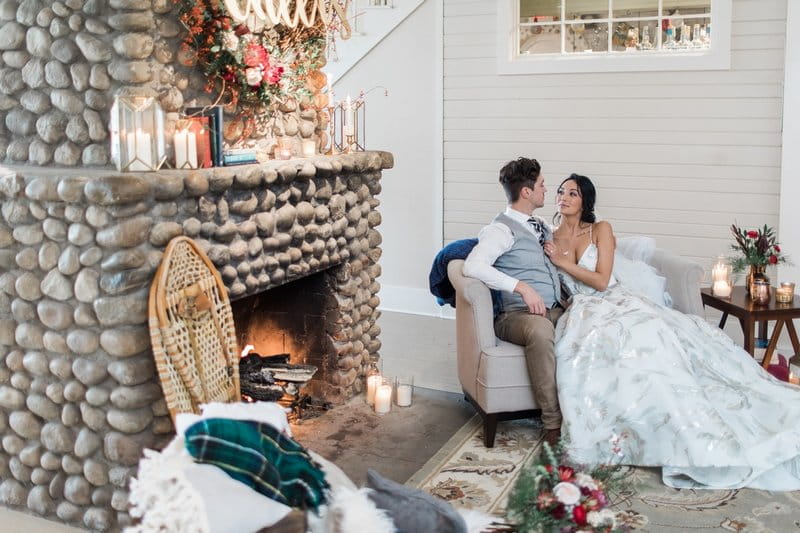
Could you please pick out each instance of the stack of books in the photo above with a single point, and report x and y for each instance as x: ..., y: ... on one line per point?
x: 239, y: 156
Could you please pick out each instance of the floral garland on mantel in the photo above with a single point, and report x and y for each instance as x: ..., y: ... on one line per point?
x: 254, y: 66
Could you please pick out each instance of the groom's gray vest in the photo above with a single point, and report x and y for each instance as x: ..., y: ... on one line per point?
x: 526, y: 261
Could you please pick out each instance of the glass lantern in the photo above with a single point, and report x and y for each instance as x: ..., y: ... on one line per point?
x: 137, y: 131
x: 374, y: 379
x: 721, y: 284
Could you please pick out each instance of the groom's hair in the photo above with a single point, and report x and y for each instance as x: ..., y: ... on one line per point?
x: 515, y: 175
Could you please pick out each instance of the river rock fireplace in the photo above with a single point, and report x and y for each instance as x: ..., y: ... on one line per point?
x: 79, y: 395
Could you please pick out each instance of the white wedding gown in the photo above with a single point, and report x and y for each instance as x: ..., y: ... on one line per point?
x: 676, y: 391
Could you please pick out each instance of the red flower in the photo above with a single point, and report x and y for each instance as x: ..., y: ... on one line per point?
x: 549, y: 468
x: 777, y: 248
x: 273, y: 74
x: 600, y: 497
x: 241, y: 29
x: 256, y: 55
x: 565, y: 473
x: 773, y: 259
x: 579, y: 515
x: 559, y: 511
x: 752, y: 234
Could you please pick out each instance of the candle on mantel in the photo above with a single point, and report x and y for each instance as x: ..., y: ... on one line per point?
x: 372, y: 384
x: 139, y: 153
x: 349, y: 115
x: 309, y: 147
x: 185, y: 143
x: 383, y: 399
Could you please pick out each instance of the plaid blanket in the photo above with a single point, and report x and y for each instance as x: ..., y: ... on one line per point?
x: 261, y: 457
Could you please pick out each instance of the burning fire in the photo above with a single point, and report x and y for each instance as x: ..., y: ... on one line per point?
x: 247, y: 349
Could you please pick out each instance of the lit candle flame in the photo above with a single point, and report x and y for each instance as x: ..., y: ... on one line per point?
x: 247, y: 349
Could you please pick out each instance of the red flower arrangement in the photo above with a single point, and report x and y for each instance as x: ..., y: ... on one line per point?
x: 758, y: 247
x: 255, y: 66
x: 552, y: 496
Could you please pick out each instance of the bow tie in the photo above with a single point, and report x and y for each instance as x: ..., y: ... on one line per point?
x: 538, y: 228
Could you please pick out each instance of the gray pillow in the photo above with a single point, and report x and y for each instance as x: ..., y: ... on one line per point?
x: 413, y: 510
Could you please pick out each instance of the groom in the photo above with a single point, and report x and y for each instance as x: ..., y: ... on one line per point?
x: 509, y: 257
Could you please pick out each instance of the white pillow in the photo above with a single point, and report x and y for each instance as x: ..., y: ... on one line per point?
x: 642, y: 279
x: 637, y: 247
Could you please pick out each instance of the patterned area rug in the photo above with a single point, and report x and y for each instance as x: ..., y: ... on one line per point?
x: 467, y: 474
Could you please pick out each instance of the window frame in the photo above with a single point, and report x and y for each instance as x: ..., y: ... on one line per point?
x: 716, y: 57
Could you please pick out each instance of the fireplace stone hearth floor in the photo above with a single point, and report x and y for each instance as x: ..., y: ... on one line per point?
x: 396, y: 444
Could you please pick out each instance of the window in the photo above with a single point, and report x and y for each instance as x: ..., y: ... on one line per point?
x: 613, y: 35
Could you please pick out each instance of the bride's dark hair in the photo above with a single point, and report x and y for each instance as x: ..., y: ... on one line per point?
x: 588, y: 197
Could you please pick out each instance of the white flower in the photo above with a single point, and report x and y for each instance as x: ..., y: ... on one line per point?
x: 567, y: 493
x: 601, y: 518
x: 230, y: 41
x: 253, y: 76
x: 585, y: 480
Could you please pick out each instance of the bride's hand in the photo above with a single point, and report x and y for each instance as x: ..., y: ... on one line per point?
x: 557, y: 256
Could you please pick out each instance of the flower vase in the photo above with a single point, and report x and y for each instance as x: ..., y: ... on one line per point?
x: 756, y: 272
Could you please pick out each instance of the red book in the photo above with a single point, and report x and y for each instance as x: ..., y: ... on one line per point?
x: 199, y: 126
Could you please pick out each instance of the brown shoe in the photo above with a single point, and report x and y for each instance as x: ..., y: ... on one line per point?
x: 552, y: 437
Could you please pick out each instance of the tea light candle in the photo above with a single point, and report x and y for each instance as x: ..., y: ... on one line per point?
x: 784, y: 294
x: 372, y: 384
x: 309, y: 147
x: 383, y: 399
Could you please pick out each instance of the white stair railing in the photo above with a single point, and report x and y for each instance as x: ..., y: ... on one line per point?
x: 371, y: 24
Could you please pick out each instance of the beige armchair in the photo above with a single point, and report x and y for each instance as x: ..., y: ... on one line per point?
x: 493, y: 373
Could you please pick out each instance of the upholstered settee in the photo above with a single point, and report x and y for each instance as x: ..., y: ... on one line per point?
x: 493, y: 373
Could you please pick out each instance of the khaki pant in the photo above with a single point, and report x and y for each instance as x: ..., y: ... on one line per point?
x: 537, y: 335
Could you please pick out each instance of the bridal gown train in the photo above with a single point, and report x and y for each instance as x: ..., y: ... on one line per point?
x: 676, y: 390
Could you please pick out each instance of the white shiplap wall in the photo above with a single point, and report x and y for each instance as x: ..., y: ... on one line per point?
x: 678, y: 156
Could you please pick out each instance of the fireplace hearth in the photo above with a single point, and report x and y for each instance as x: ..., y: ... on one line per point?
x: 79, y: 394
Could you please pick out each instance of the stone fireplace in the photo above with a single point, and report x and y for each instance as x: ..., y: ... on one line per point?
x: 79, y: 394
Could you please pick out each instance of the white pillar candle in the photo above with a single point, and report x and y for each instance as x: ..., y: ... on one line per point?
x: 309, y: 147
x: 372, y: 385
x: 185, y: 143
x: 139, y: 151
x: 721, y: 289
x: 404, y: 395
x: 349, y: 115
x: 383, y: 399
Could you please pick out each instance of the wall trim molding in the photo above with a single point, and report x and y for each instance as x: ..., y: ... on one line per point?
x: 413, y: 301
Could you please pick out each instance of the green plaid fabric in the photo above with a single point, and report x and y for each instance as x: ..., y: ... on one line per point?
x: 261, y: 457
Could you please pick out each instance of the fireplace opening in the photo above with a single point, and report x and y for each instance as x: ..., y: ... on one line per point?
x: 287, y: 330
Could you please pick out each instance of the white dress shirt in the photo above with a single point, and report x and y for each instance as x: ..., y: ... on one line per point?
x: 493, y: 241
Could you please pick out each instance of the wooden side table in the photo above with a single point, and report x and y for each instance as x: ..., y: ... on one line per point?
x: 748, y: 313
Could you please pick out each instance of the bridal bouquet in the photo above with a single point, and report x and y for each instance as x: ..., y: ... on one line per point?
x: 552, y: 496
x: 757, y: 247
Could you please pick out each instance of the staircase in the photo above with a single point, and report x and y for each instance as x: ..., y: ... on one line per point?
x: 371, y: 24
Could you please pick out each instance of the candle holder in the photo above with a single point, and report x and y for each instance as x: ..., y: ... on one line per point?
x: 383, y: 397
x: 184, y: 144
x: 785, y: 293
x: 403, y: 390
x: 348, y: 125
x: 137, y: 131
x: 309, y: 147
x: 284, y: 149
x: 374, y: 379
x: 761, y: 292
x: 721, y: 284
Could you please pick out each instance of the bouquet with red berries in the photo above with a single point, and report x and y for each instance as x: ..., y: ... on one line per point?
x: 552, y: 496
x: 755, y: 247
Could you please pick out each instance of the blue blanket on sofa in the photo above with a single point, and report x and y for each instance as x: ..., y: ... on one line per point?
x: 438, y: 281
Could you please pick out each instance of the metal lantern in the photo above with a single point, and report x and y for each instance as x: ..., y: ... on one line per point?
x: 348, y: 125
x: 137, y: 131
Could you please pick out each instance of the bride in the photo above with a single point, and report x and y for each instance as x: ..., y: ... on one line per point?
x: 660, y: 387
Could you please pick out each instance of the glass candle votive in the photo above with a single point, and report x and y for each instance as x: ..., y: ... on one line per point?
x: 283, y: 150
x: 403, y: 389
x: 309, y: 147
x: 383, y: 397
x: 785, y: 293
x: 760, y: 294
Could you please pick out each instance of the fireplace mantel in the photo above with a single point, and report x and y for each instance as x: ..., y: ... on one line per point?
x: 79, y: 395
